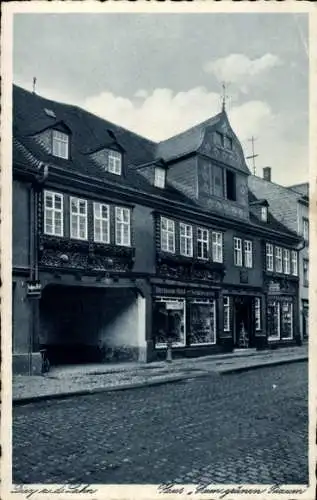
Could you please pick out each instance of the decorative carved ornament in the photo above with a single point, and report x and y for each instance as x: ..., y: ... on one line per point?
x: 83, y: 255
x: 179, y: 267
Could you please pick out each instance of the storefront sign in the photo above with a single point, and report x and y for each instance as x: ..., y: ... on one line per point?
x: 158, y: 290
x: 172, y: 306
x: 34, y: 289
x: 274, y: 287
x: 200, y: 293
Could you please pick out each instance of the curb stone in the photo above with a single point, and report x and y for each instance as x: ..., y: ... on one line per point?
x: 149, y: 383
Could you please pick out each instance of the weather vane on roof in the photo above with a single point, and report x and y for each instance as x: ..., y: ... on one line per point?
x: 224, y: 96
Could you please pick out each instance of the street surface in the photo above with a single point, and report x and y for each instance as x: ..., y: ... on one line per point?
x: 250, y: 427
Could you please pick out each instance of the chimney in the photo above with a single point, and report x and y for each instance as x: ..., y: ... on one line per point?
x: 267, y: 173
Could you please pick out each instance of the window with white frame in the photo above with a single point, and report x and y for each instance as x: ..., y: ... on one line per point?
x: 114, y: 162
x: 186, y: 240
x: 101, y: 223
x: 257, y: 313
x: 167, y: 235
x: 278, y: 260
x: 294, y: 263
x: 248, y: 257
x: 237, y: 246
x: 159, y: 177
x: 60, y: 144
x: 286, y: 261
x: 305, y: 228
x: 217, y: 254
x: 269, y: 257
x: 53, y: 213
x: 226, y: 313
x: 123, y: 228
x: 202, y: 243
x: 264, y: 214
x: 78, y: 218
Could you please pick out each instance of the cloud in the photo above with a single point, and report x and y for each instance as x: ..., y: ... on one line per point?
x: 163, y: 113
x: 239, y: 69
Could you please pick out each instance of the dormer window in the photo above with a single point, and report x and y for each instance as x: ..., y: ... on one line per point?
x: 160, y: 177
x: 60, y: 144
x: 227, y: 142
x: 264, y: 214
x: 115, y: 162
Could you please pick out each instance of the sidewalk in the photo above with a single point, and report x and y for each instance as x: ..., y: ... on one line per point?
x: 66, y: 381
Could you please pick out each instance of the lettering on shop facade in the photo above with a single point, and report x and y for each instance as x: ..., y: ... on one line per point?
x: 182, y: 292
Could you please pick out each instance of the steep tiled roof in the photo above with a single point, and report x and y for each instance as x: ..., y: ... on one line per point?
x: 272, y: 222
x: 302, y: 188
x: 89, y: 132
x: 186, y: 142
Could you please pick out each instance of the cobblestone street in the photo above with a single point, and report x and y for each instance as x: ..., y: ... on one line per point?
x: 240, y: 428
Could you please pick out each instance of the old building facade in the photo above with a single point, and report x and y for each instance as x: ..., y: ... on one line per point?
x: 115, y: 235
x: 290, y: 205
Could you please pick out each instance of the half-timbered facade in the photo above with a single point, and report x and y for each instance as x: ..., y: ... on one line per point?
x: 114, y: 235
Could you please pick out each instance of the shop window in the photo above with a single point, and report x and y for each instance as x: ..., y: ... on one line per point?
x: 123, y: 229
x: 237, y: 245
x: 217, y: 253
x: 269, y: 257
x: 273, y: 320
x: 163, y: 307
x: 231, y: 185
x: 287, y: 320
x: 202, y: 322
x: 305, y: 272
x: 53, y: 213
x: 78, y: 218
x: 167, y: 235
x: 278, y: 260
x: 248, y: 257
x: 257, y: 313
x: 101, y: 223
x: 286, y: 261
x: 226, y: 313
x: 294, y: 263
x: 186, y: 240
x: 202, y: 243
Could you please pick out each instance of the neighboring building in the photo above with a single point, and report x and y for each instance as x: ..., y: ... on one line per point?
x: 290, y: 205
x: 113, y: 234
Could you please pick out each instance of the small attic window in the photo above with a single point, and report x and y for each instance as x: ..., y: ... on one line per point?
x: 50, y: 113
x: 159, y: 177
x: 264, y: 214
x: 227, y: 142
x: 114, y: 162
x: 60, y: 144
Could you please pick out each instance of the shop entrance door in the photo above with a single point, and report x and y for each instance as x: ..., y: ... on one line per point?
x: 243, y: 322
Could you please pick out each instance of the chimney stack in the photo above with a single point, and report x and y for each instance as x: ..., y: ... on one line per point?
x: 267, y: 173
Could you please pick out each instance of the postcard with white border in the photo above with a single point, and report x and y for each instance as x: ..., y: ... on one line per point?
x: 158, y: 207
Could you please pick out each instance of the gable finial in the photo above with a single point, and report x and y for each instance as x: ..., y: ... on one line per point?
x: 34, y: 84
x: 224, y: 96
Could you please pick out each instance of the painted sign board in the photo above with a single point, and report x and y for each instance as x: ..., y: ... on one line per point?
x: 172, y: 306
x: 34, y: 289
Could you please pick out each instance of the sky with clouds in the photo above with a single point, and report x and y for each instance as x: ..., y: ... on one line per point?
x: 160, y: 74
